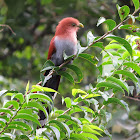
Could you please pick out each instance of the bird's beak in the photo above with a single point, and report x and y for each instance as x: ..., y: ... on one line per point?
x: 81, y: 25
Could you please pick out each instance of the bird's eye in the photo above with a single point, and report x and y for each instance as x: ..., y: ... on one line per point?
x: 73, y: 24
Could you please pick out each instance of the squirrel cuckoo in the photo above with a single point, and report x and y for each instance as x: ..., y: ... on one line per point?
x: 65, y: 40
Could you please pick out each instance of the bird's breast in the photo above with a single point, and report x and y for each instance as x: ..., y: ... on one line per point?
x: 63, y: 45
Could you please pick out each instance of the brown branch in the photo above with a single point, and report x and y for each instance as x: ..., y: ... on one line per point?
x: 10, y: 121
x: 4, y: 25
x: 132, y: 98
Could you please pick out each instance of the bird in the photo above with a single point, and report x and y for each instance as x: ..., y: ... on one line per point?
x: 64, y: 41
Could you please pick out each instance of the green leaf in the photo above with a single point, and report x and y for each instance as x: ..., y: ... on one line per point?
x: 100, y: 68
x: 89, y: 135
x: 127, y: 26
x: 5, y: 138
x: 113, y: 46
x: 36, y: 105
x: 9, y: 94
x: 90, y: 38
x: 56, y: 132
x: 87, y: 109
x: 15, y: 127
x: 76, y: 91
x: 65, y: 117
x: 133, y: 19
x: 137, y: 18
x: 68, y: 102
x: 114, y: 53
x: 108, y: 116
x: 59, y: 124
x: 80, y: 49
x: 19, y: 123
x: 2, y: 122
x: 44, y: 79
x: 133, y: 66
x: 105, y: 95
x: 88, y: 129
x: 31, y: 111
x: 110, y: 23
x: 98, y: 44
x: 123, y: 42
x: 48, y: 64
x: 66, y: 75
x: 19, y: 96
x: 95, y: 127
x: 27, y: 87
x: 25, y: 116
x: 95, y: 103
x: 123, y: 11
x: 127, y: 73
x: 136, y: 4
x: 2, y: 92
x: 100, y: 21
x: 78, y: 137
x: 79, y: 99
x: 48, y: 68
x: 119, y: 82
x: 40, y: 88
x: 12, y: 102
x: 125, y: 55
x: 109, y: 85
x: 67, y: 57
x: 89, y: 57
x: 116, y: 101
x: 76, y: 120
x: 107, y: 63
x: 77, y: 71
x: 67, y: 128
x: 90, y: 96
x: 24, y: 137
x: 39, y: 96
x: 126, y: 105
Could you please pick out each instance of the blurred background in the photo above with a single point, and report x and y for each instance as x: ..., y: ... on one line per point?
x: 34, y: 22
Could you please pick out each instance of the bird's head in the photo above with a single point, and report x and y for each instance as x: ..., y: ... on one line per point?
x: 68, y: 25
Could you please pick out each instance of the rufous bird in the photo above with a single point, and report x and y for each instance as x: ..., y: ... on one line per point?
x: 65, y: 40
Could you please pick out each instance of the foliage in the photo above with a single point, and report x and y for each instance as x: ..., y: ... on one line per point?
x: 86, y: 115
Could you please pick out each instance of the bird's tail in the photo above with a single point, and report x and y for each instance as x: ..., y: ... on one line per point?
x: 53, y: 83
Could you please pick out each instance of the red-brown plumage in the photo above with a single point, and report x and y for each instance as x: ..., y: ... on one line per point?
x: 52, y: 49
x: 66, y: 25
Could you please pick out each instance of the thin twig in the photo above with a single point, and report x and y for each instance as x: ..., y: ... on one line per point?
x: 10, y: 121
x: 4, y: 25
x: 132, y: 98
x: 103, y: 106
x: 75, y: 104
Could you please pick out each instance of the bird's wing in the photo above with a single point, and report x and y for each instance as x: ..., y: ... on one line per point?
x: 52, y: 49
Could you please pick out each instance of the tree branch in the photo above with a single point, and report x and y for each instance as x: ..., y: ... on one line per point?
x: 4, y: 25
